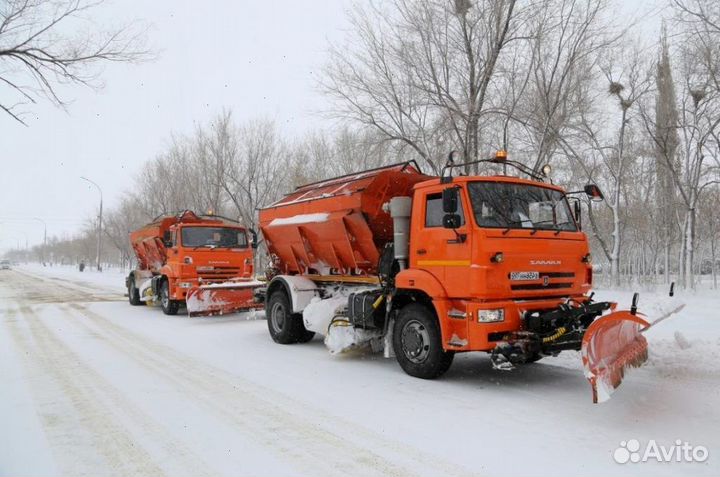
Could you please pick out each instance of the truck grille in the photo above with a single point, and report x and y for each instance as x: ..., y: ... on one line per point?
x: 219, y: 274
x: 547, y: 281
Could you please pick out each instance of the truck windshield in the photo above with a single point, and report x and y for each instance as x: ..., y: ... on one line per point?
x: 212, y: 237
x: 520, y: 206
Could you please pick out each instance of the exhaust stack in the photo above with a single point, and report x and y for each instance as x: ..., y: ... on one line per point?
x: 399, y: 209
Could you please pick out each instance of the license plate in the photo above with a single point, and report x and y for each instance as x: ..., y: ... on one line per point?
x: 518, y: 276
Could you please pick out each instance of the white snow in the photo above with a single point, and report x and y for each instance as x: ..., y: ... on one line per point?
x: 340, y: 339
x: 202, y: 301
x: 143, y: 290
x: 455, y: 340
x: 300, y: 219
x: 318, y: 314
x: 91, y: 385
x: 235, y: 284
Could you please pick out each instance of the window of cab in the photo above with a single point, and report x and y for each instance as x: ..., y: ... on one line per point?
x: 434, y: 210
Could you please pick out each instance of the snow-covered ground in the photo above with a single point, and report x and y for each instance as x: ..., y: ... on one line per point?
x: 91, y: 385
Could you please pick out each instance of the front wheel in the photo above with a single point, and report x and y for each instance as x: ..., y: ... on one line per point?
x: 169, y: 306
x: 285, y: 327
x: 417, y: 342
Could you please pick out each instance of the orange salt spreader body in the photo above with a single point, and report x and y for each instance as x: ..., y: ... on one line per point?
x: 433, y: 266
x: 204, y: 262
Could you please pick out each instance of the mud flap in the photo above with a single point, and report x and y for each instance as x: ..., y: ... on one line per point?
x: 221, y: 300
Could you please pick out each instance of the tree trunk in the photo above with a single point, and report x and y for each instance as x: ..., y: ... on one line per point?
x: 713, y: 267
x: 690, y: 250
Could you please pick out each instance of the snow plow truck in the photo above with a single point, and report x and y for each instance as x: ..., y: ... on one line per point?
x: 423, y: 267
x: 204, y: 262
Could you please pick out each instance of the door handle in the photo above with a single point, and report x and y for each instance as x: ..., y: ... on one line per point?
x: 421, y: 251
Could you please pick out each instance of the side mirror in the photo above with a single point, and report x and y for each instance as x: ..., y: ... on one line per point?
x: 593, y: 192
x: 451, y: 221
x: 450, y: 201
x: 167, y: 239
x: 254, y: 239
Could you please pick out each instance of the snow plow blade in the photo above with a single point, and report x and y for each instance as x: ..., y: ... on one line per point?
x: 222, y: 299
x: 611, y: 344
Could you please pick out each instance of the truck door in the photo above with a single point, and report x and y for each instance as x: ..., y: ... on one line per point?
x: 443, y: 252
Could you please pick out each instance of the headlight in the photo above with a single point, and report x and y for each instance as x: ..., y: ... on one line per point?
x: 490, y: 316
x: 185, y: 285
x: 188, y: 260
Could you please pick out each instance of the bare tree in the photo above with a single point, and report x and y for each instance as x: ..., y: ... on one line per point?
x: 419, y: 71
x: 569, y: 38
x: 602, y: 153
x: 257, y: 172
x: 38, y: 53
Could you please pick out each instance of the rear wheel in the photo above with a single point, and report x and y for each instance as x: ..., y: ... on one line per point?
x: 133, y: 292
x: 417, y: 342
x: 169, y: 306
x: 285, y: 327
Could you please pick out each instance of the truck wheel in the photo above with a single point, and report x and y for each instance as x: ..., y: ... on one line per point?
x: 133, y: 293
x: 285, y: 326
x: 417, y: 343
x: 169, y: 307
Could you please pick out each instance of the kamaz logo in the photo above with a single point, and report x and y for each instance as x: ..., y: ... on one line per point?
x: 545, y: 262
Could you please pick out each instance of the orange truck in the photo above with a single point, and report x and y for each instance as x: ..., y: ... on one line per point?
x: 425, y: 267
x: 202, y: 262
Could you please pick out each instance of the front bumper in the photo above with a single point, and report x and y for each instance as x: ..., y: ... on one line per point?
x: 463, y: 332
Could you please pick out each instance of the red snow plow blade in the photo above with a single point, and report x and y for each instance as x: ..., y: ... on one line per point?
x: 611, y: 344
x: 222, y: 298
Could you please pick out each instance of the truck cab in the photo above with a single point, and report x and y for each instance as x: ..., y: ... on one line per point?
x: 204, y: 254
x: 489, y: 250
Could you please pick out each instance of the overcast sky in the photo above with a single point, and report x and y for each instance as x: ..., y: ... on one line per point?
x: 258, y: 58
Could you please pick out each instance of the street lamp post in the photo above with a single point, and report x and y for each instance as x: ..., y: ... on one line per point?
x: 99, y: 232
x: 42, y: 256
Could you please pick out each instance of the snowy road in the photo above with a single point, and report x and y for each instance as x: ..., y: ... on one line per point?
x: 91, y: 385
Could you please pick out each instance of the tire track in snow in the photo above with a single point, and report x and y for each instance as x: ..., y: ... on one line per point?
x: 38, y: 289
x: 300, y: 440
x: 94, y: 404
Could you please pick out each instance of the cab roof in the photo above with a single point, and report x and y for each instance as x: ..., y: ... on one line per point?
x: 495, y: 178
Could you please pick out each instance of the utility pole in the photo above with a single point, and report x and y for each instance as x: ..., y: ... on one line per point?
x: 44, y: 248
x: 99, y: 231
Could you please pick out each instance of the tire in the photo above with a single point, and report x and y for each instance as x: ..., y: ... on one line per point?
x: 534, y: 358
x: 285, y: 327
x: 169, y: 307
x: 306, y: 335
x: 133, y: 293
x: 417, y: 342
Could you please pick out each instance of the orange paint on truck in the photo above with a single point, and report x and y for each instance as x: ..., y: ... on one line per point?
x: 469, y: 263
x: 189, y: 254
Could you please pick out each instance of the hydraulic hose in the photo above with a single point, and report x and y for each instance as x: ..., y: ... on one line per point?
x: 549, y: 339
